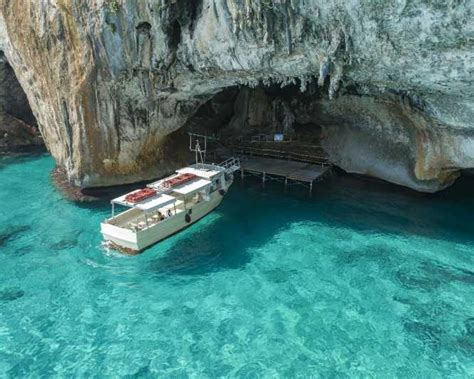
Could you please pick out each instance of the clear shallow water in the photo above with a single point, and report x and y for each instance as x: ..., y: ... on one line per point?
x: 362, y: 280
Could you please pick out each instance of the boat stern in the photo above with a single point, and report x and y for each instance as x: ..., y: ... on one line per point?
x: 121, y: 239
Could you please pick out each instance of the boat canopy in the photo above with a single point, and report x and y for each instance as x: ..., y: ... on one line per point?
x: 206, y: 174
x: 192, y: 187
x: 148, y: 204
x: 156, y: 203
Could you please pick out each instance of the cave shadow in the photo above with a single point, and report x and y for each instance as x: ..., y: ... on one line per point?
x: 100, y: 197
x: 225, y: 243
x: 227, y: 238
x: 202, y: 251
x: 378, y: 206
x: 22, y: 155
x: 343, y: 201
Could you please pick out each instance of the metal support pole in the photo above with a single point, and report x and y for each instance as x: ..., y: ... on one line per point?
x: 174, y: 206
x: 311, y: 187
x: 263, y: 179
x: 113, y: 210
x: 242, y: 174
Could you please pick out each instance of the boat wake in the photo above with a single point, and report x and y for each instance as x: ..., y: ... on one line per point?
x: 109, y: 251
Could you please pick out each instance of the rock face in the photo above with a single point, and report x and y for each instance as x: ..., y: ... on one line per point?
x: 109, y: 81
x: 18, y: 131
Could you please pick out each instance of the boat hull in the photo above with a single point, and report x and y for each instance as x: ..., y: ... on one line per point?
x: 131, y: 242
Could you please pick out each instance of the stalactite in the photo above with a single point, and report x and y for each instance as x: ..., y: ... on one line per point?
x: 323, y: 71
x: 334, y: 80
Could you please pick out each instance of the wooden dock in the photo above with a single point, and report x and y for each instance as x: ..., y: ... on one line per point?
x: 302, y: 172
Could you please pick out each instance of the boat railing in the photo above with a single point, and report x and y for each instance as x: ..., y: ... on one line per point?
x: 229, y: 165
x: 206, y: 166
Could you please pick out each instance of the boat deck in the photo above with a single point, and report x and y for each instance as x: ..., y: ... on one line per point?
x: 136, y: 219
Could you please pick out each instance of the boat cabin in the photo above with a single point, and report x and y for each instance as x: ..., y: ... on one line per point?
x: 166, y: 198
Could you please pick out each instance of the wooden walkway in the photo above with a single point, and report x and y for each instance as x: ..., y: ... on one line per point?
x: 289, y: 170
x: 319, y: 159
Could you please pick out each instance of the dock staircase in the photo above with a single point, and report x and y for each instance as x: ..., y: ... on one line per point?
x: 230, y: 165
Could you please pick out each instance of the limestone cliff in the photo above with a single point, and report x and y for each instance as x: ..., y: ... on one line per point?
x: 110, y: 80
x: 18, y: 131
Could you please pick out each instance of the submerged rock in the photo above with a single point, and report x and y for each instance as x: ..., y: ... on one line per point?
x: 10, y: 294
x: 109, y: 81
x: 12, y: 232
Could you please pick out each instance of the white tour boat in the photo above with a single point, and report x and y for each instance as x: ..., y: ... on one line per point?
x: 168, y: 205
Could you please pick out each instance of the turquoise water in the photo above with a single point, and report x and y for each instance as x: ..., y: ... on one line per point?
x: 361, y: 280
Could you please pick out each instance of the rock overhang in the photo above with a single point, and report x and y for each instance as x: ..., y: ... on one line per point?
x: 132, y: 73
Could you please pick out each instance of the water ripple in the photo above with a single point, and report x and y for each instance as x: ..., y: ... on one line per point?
x: 362, y: 280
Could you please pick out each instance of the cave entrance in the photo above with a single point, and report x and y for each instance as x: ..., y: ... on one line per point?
x: 265, y: 120
x: 362, y: 131
x: 18, y: 127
